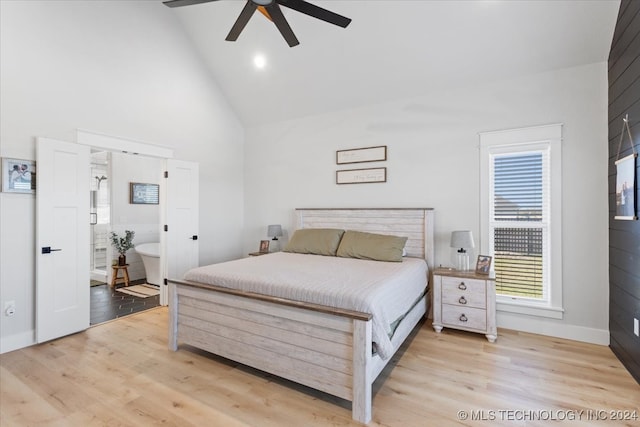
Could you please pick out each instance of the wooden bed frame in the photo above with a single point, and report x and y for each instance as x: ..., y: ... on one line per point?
x: 321, y: 347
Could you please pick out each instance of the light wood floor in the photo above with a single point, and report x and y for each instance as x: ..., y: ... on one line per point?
x: 121, y: 373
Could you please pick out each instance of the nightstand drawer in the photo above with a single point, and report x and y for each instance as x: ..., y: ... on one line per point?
x: 464, y: 292
x: 467, y: 317
x: 464, y: 286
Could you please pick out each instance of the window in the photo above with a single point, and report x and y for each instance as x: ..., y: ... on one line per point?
x: 518, y: 223
x: 520, y: 209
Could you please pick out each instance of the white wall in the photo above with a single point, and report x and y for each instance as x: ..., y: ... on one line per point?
x: 433, y: 161
x: 121, y: 68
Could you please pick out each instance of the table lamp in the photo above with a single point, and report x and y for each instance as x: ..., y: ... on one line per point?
x: 275, y: 231
x: 462, y: 240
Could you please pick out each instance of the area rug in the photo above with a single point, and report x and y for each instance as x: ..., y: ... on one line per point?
x: 140, y: 291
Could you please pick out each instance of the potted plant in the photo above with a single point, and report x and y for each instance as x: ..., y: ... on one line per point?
x: 122, y: 245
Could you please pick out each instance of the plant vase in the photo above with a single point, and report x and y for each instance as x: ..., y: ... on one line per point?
x: 122, y: 245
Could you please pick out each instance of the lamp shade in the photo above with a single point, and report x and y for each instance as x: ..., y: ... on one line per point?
x: 462, y: 239
x: 274, y: 230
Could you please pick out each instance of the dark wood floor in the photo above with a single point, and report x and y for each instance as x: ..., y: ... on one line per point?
x: 107, y: 304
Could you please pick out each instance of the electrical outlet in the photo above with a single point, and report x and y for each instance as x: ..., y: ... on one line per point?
x: 636, y: 327
x: 9, y: 308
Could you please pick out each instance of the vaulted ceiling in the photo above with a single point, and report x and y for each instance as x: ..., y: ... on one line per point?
x: 392, y: 49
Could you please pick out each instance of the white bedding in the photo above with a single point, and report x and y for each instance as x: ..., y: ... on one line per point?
x: 387, y: 290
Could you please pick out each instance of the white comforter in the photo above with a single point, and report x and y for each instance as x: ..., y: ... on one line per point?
x: 384, y: 289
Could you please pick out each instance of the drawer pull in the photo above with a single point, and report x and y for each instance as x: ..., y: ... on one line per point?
x: 463, y: 318
x: 462, y: 286
x: 462, y: 300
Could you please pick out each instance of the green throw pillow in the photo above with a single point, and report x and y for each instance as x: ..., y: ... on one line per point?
x: 378, y: 247
x: 316, y: 241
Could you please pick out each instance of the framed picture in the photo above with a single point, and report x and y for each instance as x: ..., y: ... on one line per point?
x: 625, y: 188
x: 264, y: 246
x: 144, y: 194
x: 483, y: 266
x: 361, y: 176
x: 18, y: 176
x: 361, y: 155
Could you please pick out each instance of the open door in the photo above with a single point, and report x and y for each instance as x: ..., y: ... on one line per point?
x: 181, y: 242
x: 62, y: 239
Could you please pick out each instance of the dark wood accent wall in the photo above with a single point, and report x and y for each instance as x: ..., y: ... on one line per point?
x: 624, y: 236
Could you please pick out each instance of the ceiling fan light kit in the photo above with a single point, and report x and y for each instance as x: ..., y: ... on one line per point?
x: 271, y: 9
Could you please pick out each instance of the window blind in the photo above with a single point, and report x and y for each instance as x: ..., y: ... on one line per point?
x: 519, y: 223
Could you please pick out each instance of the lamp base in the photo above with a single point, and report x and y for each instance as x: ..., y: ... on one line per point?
x: 462, y: 261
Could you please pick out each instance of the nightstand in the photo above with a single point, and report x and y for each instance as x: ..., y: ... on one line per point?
x: 258, y: 253
x: 464, y: 300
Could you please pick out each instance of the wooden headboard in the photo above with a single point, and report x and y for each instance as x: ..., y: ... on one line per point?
x: 414, y: 223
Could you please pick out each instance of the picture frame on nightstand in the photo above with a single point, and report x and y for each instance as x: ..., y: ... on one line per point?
x: 483, y: 265
x: 264, y: 246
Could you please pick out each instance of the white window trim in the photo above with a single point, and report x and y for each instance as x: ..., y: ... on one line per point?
x: 521, y: 139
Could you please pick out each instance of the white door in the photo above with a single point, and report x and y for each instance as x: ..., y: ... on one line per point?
x: 181, y: 238
x: 62, y: 239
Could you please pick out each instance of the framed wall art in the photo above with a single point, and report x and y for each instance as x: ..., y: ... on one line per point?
x: 626, y: 178
x: 361, y: 155
x: 144, y: 194
x: 625, y: 188
x: 18, y: 176
x: 361, y: 176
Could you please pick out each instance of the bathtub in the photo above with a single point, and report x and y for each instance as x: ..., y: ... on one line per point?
x: 150, y: 254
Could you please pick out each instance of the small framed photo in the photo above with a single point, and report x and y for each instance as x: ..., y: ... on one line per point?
x: 483, y: 266
x: 18, y: 176
x: 264, y: 246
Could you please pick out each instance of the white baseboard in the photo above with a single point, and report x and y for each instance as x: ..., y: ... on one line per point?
x: 553, y: 329
x: 17, y: 341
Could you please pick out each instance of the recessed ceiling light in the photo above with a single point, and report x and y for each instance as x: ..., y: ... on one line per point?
x: 259, y: 61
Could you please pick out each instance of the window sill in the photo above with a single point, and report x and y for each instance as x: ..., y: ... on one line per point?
x: 510, y: 306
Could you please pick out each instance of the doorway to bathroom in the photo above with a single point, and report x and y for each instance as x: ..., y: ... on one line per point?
x: 112, y: 210
x: 69, y: 163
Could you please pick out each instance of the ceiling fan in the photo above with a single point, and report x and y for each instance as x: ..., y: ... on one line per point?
x: 271, y: 9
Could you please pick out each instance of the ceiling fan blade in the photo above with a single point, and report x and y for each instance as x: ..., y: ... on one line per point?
x: 282, y: 24
x: 316, y: 12
x: 179, y: 3
x: 241, y: 22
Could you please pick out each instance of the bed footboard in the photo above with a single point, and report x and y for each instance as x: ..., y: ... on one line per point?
x: 330, y: 352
